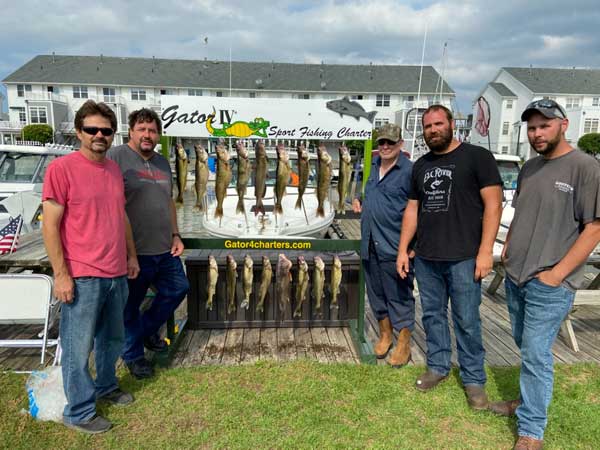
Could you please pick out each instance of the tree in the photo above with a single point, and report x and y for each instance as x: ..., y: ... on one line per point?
x: 590, y: 143
x: 38, y: 132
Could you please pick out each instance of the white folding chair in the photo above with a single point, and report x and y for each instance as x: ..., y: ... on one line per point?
x: 27, y: 299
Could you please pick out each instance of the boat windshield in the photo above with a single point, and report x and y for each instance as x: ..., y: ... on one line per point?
x: 19, y: 167
x: 509, y: 172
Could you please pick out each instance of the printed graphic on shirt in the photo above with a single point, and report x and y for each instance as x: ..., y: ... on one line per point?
x: 564, y: 187
x: 437, y: 188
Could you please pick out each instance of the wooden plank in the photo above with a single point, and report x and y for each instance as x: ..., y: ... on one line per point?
x: 251, y: 346
x: 214, y: 347
x: 286, y: 346
x: 321, y: 345
x: 232, y: 349
x: 350, y: 343
x: 196, y: 348
x: 268, y: 343
x: 339, y: 345
x: 182, y: 350
x: 304, y: 343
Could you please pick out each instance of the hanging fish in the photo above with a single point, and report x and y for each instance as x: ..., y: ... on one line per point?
x: 181, y: 168
x: 213, y: 276
x: 282, y: 177
x: 247, y: 278
x: 201, y: 176
x: 265, y: 283
x: 243, y: 174
x: 302, y: 285
x: 336, y: 279
x: 284, y: 279
x: 344, y: 178
x: 231, y: 276
x: 318, y: 283
x: 323, y: 179
x: 303, y: 172
x: 223, y: 178
x: 260, y: 178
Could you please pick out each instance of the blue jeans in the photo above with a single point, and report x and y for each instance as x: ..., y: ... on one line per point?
x: 166, y: 274
x: 389, y: 295
x: 93, y: 320
x: 536, y: 313
x: 437, y: 281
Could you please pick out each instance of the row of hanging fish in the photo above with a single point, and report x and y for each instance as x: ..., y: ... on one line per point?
x: 282, y: 177
x: 283, y: 283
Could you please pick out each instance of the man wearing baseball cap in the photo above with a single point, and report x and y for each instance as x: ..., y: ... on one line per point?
x: 555, y: 228
x: 386, y: 194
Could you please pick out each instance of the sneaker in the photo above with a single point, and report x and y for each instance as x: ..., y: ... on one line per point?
x: 429, y: 380
x: 95, y: 425
x: 156, y: 344
x: 507, y: 408
x: 140, y: 368
x: 528, y: 443
x: 476, y: 397
x: 118, y: 397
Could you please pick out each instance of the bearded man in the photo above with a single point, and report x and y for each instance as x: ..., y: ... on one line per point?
x: 454, y: 209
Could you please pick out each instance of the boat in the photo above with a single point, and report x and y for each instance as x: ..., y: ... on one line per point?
x: 292, y: 223
x: 22, y: 169
x: 508, y: 166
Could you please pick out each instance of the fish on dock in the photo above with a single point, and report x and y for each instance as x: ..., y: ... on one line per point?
x: 247, y: 279
x: 284, y: 279
x: 323, y: 179
x: 213, y: 276
x: 282, y: 176
x: 345, y: 171
x: 301, y: 287
x: 223, y: 178
x: 336, y: 279
x: 265, y: 283
x: 303, y: 172
x: 260, y: 177
x: 181, y: 168
x: 231, y: 279
x: 318, y: 284
x: 243, y: 175
x: 201, y: 176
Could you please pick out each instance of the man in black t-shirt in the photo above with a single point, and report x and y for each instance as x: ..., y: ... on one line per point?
x: 454, y: 208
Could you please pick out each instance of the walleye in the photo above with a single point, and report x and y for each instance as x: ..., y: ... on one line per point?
x: 223, y: 178
x: 243, y: 174
x: 323, y: 179
x: 201, y: 175
x: 282, y: 177
x: 265, y: 283
x: 181, y: 168
x: 231, y: 282
x: 247, y: 278
x: 213, y: 276
x: 302, y: 285
x: 284, y: 278
x: 303, y: 171
x: 318, y: 283
x: 343, y: 178
x: 260, y: 178
x: 336, y: 279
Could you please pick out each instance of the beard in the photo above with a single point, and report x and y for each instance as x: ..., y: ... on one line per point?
x: 551, y: 145
x: 442, y: 140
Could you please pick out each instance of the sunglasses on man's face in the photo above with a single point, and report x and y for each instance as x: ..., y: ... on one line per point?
x: 386, y: 141
x: 93, y: 131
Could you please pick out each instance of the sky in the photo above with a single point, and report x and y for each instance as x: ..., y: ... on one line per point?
x: 480, y: 37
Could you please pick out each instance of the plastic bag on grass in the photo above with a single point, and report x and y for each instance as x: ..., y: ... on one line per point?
x: 46, y: 394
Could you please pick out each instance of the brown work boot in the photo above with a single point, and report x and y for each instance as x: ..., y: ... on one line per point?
x: 528, y: 443
x: 507, y: 408
x: 476, y: 397
x: 386, y: 338
x: 401, y: 354
x: 429, y: 380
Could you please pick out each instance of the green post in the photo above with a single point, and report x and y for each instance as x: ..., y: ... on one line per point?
x: 165, y: 143
x: 367, y: 162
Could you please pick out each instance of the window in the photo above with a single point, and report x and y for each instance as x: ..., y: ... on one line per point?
x: 504, y: 149
x: 37, y: 114
x: 505, y: 126
x: 380, y: 122
x: 304, y: 96
x: 195, y: 92
x: 109, y: 94
x: 80, y: 92
x: 22, y: 88
x: 138, y: 94
x: 409, y: 98
x: 167, y: 92
x: 22, y: 115
x: 357, y: 97
x: 52, y: 89
x: 572, y: 102
x: 596, y: 101
x: 509, y: 104
x: 549, y: 97
x: 252, y: 94
x: 590, y: 126
x: 219, y: 94
x: 382, y: 100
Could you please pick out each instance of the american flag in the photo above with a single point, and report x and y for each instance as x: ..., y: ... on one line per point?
x: 483, y: 117
x: 9, y: 236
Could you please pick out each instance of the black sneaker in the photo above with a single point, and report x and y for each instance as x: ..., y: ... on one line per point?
x: 156, y: 344
x: 95, y: 425
x: 118, y: 397
x: 141, y: 368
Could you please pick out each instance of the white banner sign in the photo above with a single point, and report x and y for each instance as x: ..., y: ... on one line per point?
x: 266, y: 118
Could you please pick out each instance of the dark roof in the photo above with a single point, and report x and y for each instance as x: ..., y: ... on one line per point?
x: 178, y: 73
x: 558, y: 81
x: 503, y: 90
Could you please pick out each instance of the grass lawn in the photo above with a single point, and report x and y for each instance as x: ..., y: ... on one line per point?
x: 309, y: 405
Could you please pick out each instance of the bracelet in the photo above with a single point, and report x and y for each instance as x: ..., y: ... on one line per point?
x: 176, y: 234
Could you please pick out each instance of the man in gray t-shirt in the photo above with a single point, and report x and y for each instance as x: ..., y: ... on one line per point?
x: 151, y: 211
x: 555, y: 228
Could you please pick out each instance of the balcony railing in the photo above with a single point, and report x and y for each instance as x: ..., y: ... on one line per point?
x: 45, y: 96
x: 11, y: 126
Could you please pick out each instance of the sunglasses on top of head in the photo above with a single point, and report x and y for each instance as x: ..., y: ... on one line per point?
x: 546, y: 103
x: 93, y: 131
x: 386, y: 141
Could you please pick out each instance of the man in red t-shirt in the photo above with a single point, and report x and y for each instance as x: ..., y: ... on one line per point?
x: 90, y: 246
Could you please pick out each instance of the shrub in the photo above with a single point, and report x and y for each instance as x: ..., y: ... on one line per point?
x: 590, y: 143
x: 38, y: 132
